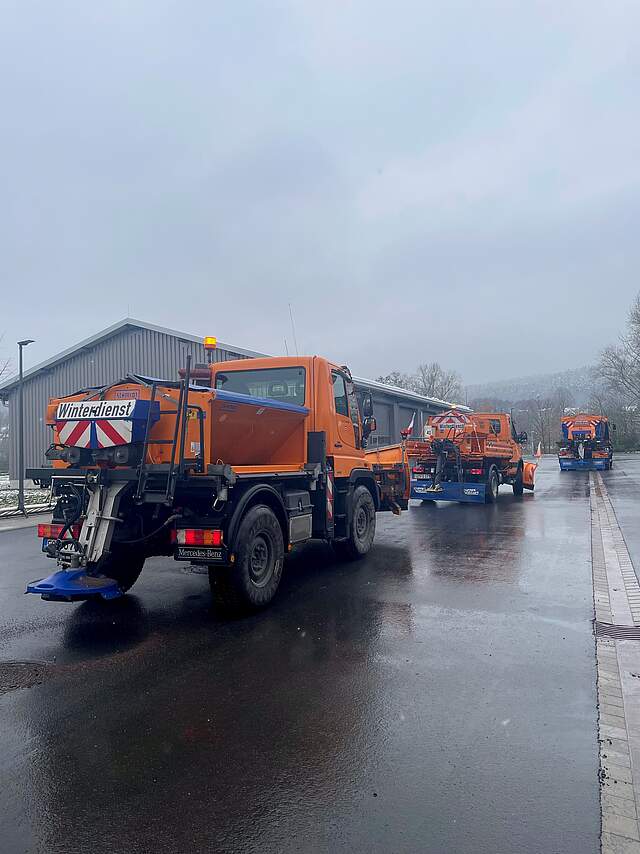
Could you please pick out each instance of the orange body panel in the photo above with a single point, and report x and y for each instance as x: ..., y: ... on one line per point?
x: 584, y: 424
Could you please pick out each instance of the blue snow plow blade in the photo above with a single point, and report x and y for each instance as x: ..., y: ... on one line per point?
x: 568, y: 464
x: 466, y: 491
x: 74, y: 585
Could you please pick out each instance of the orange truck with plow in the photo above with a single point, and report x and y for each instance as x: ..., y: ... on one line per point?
x: 229, y: 473
x: 586, y: 444
x: 465, y: 456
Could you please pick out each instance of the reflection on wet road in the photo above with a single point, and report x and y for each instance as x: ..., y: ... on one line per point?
x: 438, y: 696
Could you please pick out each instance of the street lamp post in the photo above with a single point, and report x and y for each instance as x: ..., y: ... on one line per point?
x: 21, y: 345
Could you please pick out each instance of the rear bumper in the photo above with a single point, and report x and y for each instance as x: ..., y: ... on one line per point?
x: 568, y: 464
x: 469, y: 492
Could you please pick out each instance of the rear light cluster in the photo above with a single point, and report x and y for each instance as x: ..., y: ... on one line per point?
x: 197, y: 537
x: 52, y: 532
x: 475, y: 471
x: 418, y: 469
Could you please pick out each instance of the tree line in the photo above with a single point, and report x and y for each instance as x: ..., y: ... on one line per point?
x: 613, y: 390
x: 431, y: 380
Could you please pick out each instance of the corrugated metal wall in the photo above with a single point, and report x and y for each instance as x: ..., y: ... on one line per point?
x: 132, y: 350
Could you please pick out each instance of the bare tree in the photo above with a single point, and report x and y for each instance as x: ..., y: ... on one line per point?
x: 5, y: 363
x: 620, y: 365
x: 433, y: 380
x: 398, y: 379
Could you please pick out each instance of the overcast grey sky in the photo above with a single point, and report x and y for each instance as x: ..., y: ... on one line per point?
x: 454, y: 181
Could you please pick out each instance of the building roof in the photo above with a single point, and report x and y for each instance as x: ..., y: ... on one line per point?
x: 131, y: 323
x: 109, y: 332
x: 410, y: 396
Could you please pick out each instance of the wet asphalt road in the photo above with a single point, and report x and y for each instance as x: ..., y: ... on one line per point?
x: 437, y: 697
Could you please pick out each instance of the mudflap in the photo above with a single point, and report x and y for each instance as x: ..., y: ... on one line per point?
x: 468, y: 492
x: 528, y: 475
x: 571, y: 464
x: 74, y: 585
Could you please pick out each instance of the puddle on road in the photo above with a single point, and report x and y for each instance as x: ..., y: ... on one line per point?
x: 22, y: 674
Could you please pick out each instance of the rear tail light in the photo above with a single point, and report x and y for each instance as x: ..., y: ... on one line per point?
x: 475, y: 471
x: 52, y: 532
x: 418, y: 469
x: 197, y: 537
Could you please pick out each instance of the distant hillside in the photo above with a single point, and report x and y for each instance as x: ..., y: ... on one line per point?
x: 578, y: 382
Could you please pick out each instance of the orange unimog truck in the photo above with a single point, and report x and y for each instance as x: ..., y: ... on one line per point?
x: 230, y: 474
x: 586, y: 444
x: 465, y: 457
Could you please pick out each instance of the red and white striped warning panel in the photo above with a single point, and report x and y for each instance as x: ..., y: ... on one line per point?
x: 74, y: 433
x: 330, y: 496
x: 452, y: 418
x: 95, y: 424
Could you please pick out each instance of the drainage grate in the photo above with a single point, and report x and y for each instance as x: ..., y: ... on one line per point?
x: 22, y: 674
x: 609, y: 630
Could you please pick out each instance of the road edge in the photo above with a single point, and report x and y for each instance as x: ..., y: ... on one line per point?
x: 617, y: 611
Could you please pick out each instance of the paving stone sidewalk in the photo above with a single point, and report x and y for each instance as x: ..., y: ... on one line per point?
x: 617, y: 607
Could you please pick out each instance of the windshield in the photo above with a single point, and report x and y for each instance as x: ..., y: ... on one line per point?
x: 284, y: 384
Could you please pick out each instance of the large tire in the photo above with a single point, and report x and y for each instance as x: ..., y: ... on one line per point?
x: 251, y: 582
x: 518, y: 484
x: 362, y: 527
x: 123, y: 563
x: 491, y: 492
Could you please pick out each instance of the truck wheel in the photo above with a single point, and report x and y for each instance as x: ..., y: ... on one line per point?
x: 251, y: 582
x: 362, y: 528
x: 491, y: 491
x: 518, y: 485
x: 122, y: 563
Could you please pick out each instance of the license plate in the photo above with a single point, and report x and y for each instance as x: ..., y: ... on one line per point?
x: 422, y: 477
x: 198, y: 553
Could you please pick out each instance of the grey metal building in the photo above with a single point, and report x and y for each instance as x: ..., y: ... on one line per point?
x: 133, y: 346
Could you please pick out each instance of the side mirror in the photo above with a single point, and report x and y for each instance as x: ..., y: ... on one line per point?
x: 523, y: 437
x: 367, y: 406
x: 368, y: 426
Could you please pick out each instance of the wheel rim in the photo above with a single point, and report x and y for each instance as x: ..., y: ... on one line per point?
x: 361, y: 522
x: 260, y: 568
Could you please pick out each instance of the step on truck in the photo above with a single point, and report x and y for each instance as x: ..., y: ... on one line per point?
x: 229, y: 468
x: 586, y: 443
x: 465, y: 457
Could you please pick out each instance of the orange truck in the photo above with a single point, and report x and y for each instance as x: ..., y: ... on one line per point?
x: 229, y: 468
x: 465, y: 456
x: 586, y: 444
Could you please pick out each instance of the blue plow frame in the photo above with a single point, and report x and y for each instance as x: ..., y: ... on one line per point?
x: 570, y: 464
x: 74, y: 585
x: 468, y: 492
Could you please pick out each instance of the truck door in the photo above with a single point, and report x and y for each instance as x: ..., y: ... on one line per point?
x: 347, y: 439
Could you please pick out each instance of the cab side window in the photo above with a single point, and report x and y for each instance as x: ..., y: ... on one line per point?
x: 354, y: 409
x: 494, y: 425
x: 340, y: 394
